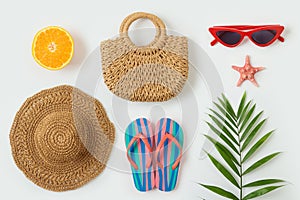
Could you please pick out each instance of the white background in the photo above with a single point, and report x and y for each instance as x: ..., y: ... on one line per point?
x: 93, y: 21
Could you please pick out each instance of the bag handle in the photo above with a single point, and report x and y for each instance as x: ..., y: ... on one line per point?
x: 159, y: 24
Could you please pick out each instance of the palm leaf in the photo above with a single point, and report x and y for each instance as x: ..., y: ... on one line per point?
x: 233, y: 158
x: 220, y: 191
x: 237, y: 130
x: 225, y: 107
x: 251, y: 124
x: 226, y: 155
x: 223, y: 128
x: 223, y: 137
x: 264, y: 182
x: 261, y: 162
x: 261, y: 192
x: 225, y: 121
x: 223, y: 171
x: 241, y: 106
x: 247, y: 117
x: 257, y: 145
x: 228, y: 107
x: 252, y: 134
x: 225, y: 113
x: 243, y: 114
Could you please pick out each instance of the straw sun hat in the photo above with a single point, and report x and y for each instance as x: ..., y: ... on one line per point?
x: 61, y: 138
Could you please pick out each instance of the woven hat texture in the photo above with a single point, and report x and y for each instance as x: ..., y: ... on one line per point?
x: 156, y: 72
x: 61, y: 138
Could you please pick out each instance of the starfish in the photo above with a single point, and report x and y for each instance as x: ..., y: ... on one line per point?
x: 247, y: 72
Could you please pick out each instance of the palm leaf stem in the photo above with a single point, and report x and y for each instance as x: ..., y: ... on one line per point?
x: 241, y: 165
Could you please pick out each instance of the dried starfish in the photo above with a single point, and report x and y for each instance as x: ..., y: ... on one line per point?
x: 247, y: 72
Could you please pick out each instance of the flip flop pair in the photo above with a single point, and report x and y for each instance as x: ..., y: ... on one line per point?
x: 154, y: 156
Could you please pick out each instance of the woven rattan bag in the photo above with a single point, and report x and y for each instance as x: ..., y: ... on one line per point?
x: 152, y: 73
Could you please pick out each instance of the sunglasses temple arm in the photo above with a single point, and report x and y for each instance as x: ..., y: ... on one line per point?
x: 214, y: 42
x: 281, y: 39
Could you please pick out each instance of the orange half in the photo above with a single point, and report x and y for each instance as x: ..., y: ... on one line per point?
x: 53, y: 48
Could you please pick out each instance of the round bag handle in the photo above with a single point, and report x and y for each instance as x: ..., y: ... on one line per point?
x: 159, y: 24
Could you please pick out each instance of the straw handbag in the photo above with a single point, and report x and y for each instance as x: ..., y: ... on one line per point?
x: 152, y: 73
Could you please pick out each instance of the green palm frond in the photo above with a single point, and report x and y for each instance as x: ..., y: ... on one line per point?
x: 237, y: 131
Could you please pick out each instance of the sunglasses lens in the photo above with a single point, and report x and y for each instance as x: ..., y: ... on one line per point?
x: 264, y: 36
x: 229, y: 37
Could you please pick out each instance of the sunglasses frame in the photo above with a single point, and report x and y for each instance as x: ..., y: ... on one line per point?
x: 246, y: 31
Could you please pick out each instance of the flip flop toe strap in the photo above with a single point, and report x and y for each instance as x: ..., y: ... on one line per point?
x: 160, y: 146
x: 139, y: 138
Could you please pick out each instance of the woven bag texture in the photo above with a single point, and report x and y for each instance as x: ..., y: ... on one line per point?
x: 152, y: 73
x: 61, y: 138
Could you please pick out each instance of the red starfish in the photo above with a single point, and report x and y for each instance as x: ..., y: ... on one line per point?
x: 247, y: 72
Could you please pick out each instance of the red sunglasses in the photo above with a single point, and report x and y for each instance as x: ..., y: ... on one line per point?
x: 232, y: 36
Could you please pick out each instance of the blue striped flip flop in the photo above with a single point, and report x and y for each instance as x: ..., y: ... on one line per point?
x: 139, y: 143
x: 169, y: 143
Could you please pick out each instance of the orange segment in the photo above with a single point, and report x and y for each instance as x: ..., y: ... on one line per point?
x: 53, y: 48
